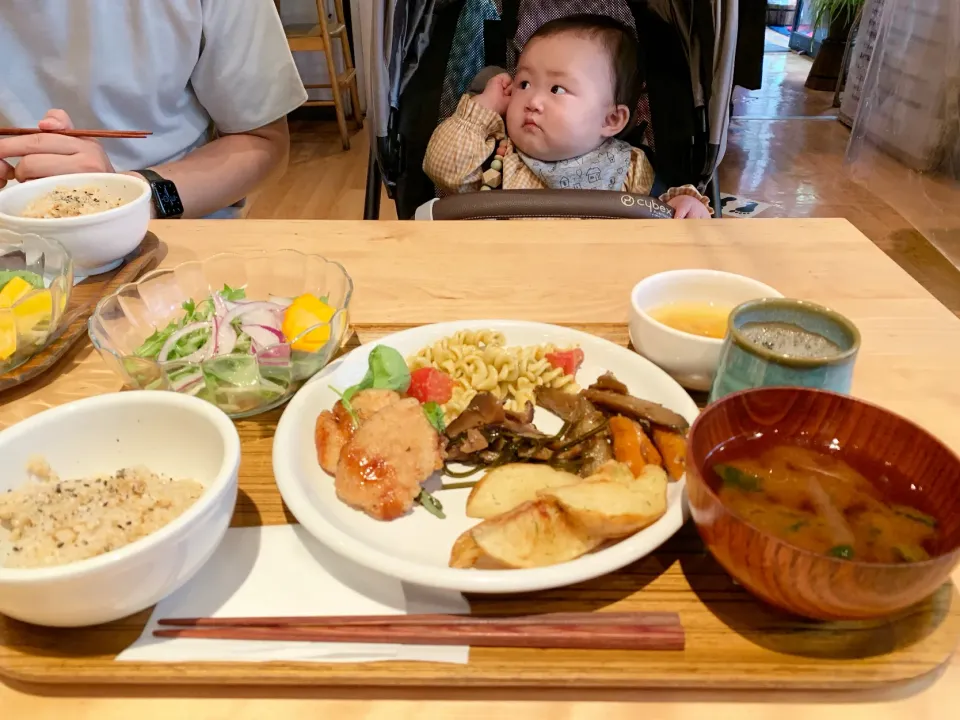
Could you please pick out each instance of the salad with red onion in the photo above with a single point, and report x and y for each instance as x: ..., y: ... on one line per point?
x: 238, y: 353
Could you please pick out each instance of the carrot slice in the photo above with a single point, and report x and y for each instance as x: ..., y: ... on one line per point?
x: 626, y: 444
x: 650, y: 453
x: 673, y: 448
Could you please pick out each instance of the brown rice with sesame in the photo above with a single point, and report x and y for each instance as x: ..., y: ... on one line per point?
x: 49, y: 521
x: 64, y: 202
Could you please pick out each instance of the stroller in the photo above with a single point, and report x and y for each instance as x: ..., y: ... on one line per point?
x: 425, y: 52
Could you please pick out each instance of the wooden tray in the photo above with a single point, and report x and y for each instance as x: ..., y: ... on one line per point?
x: 733, y: 641
x: 83, y: 301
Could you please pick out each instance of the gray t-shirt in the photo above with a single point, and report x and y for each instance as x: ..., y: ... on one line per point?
x: 182, y: 69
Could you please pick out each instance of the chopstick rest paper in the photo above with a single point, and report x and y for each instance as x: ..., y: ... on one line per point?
x: 281, y: 570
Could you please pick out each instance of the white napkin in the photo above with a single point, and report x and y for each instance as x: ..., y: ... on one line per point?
x: 281, y: 570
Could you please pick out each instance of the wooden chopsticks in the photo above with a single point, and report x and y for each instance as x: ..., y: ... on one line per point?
x: 575, y: 631
x: 78, y: 133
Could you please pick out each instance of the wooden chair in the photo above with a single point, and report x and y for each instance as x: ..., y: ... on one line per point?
x: 319, y: 37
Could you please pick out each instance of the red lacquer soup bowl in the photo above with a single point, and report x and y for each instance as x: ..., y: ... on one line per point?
x: 809, y: 584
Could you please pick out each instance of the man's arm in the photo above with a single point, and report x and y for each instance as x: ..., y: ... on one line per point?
x: 228, y: 169
x: 244, y: 47
x: 210, y: 178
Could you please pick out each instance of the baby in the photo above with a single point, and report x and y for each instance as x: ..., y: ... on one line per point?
x: 576, y: 84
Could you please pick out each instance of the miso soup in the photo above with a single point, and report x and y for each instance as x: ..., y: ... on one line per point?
x: 816, y: 501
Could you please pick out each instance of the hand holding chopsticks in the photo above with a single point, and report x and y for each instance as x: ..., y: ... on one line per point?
x: 574, y: 631
x: 55, y: 147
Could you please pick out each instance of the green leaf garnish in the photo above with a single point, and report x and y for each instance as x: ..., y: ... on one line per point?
x: 204, y: 310
x: 232, y: 294
x: 345, y: 401
x: 432, y: 505
x: 434, y: 414
x: 152, y: 345
x: 192, y: 312
x: 736, y: 478
x: 386, y: 370
x: 796, y: 526
x: 189, y: 344
x: 844, y: 552
x: 915, y: 515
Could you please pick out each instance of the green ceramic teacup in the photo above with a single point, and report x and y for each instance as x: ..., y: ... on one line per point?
x: 746, y: 364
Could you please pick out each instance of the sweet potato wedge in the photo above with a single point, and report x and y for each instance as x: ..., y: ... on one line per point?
x: 509, y: 486
x: 673, y: 449
x: 535, y: 534
x: 626, y: 443
x: 650, y: 452
x: 612, y: 506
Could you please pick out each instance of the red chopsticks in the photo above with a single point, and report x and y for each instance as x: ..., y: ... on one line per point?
x: 575, y: 631
x: 78, y: 133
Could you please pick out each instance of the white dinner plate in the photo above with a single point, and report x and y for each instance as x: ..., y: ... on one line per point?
x: 416, y: 548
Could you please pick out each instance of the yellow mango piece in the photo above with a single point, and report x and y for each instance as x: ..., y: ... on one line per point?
x: 34, y: 310
x: 15, y: 289
x: 303, y: 313
x: 8, y: 334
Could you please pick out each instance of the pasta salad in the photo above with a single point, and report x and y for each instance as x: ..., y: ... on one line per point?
x: 480, y: 361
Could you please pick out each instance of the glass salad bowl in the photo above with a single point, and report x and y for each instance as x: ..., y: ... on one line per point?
x: 243, y: 332
x: 36, y: 278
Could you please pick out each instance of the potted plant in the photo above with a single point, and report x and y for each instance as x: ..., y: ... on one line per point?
x: 838, y: 17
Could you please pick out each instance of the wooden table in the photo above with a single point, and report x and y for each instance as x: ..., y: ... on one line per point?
x: 569, y: 272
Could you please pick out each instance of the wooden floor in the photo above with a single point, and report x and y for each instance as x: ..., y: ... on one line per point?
x: 785, y: 147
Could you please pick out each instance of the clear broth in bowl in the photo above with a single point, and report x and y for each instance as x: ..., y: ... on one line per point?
x: 695, y: 318
x: 816, y: 501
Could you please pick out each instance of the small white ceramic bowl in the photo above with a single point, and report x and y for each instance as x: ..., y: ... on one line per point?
x: 691, y: 360
x: 176, y: 435
x: 98, y: 242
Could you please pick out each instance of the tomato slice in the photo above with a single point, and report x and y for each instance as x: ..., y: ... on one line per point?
x: 568, y: 360
x: 430, y: 385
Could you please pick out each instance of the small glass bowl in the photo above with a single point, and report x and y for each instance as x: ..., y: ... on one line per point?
x: 30, y: 322
x: 241, y: 383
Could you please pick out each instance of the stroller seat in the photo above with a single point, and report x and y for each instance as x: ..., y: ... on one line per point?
x: 432, y: 50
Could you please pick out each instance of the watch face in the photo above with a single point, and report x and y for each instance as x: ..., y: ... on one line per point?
x: 168, y: 200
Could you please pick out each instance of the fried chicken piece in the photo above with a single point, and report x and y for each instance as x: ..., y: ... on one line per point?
x: 382, y: 465
x: 334, y: 429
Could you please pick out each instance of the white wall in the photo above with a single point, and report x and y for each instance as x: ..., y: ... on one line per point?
x: 313, y: 66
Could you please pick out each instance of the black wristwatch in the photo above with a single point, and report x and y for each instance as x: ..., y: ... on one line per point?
x: 166, y: 199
